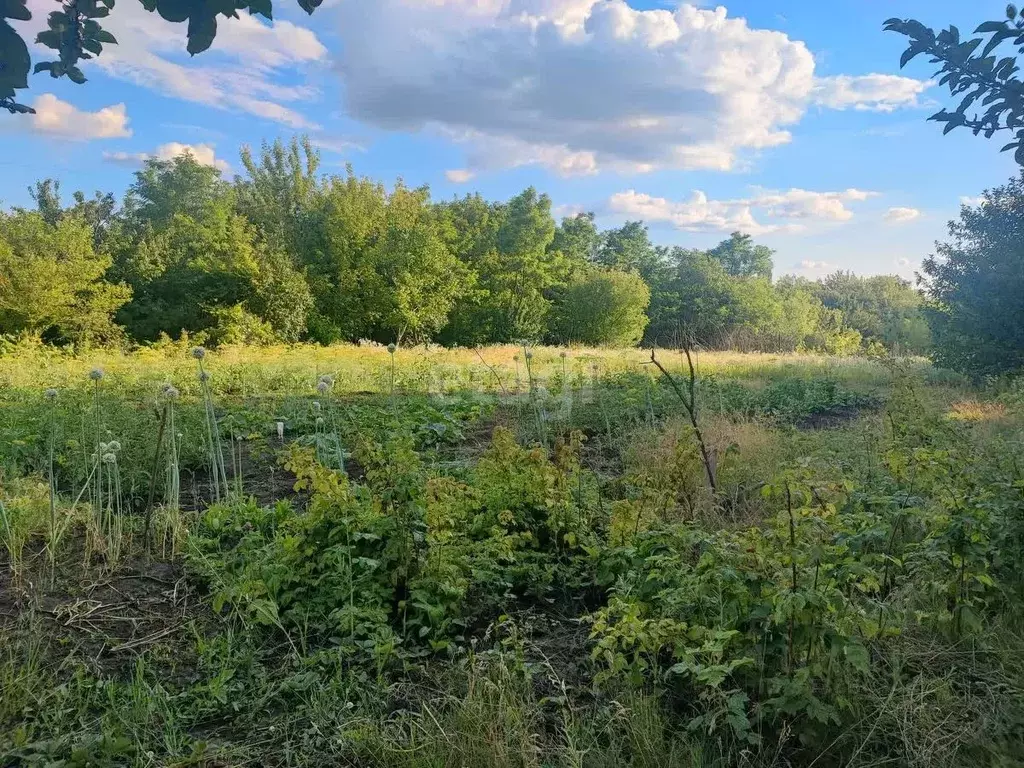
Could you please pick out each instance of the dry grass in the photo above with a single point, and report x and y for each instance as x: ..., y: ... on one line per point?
x: 978, y: 411
x: 359, y: 368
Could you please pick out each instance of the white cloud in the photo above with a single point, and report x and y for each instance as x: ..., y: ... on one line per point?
x: 876, y: 93
x: 802, y: 204
x: 810, y: 265
x: 54, y: 117
x: 581, y: 85
x: 203, y: 153
x: 459, y: 175
x: 568, y: 210
x: 701, y: 214
x: 337, y: 145
x: 241, y: 71
x: 905, y: 263
x: 901, y: 215
x: 972, y: 202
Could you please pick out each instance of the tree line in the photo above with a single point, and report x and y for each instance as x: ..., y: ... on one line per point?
x: 286, y: 253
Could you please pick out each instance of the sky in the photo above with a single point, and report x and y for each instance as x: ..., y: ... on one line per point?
x: 786, y: 119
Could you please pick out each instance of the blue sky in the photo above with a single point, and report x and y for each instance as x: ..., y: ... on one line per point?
x: 787, y: 118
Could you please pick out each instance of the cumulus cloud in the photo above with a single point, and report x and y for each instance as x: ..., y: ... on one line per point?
x: 54, y: 117
x: 702, y: 214
x: 459, y: 175
x: 582, y: 85
x: 972, y: 202
x: 901, y: 215
x: 203, y: 153
x: 241, y: 71
x: 876, y: 93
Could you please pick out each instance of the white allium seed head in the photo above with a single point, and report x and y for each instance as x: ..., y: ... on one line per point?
x: 328, y: 379
x: 51, y: 394
x: 316, y: 406
x: 104, y: 447
x: 562, y: 354
x: 198, y: 352
x: 114, y: 446
x: 515, y: 358
x: 109, y: 458
x: 96, y: 374
x: 529, y: 355
x: 319, y: 421
x: 169, y: 391
x: 323, y: 387
x: 204, y: 376
x: 392, y: 348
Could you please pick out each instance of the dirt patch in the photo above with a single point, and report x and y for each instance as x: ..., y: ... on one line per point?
x: 830, y: 418
x: 254, y: 469
x: 104, y: 616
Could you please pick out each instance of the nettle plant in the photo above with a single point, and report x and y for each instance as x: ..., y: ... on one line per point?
x: 753, y: 626
x: 403, y: 564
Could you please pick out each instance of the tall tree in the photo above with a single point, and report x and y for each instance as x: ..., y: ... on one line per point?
x: 741, y: 258
x: 515, y: 269
x: 52, y: 283
x: 602, y: 307
x: 195, y: 263
x: 578, y: 240
x: 976, y: 286
x: 282, y: 193
x: 629, y: 248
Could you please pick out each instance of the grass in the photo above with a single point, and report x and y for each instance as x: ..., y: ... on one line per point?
x: 455, y: 559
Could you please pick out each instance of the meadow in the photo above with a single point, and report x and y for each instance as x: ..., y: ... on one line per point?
x: 506, y: 556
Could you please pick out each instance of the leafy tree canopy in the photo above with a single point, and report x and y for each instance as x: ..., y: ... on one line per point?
x: 602, y: 307
x: 976, y: 285
x: 742, y: 258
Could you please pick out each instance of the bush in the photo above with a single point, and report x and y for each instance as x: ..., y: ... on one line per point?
x: 603, y: 307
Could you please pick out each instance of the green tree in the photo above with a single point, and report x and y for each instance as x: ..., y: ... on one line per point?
x: 578, y: 240
x: 515, y: 270
x: 695, y: 303
x: 741, y: 258
x: 976, y: 286
x: 416, y: 279
x: 602, y: 307
x: 52, y: 283
x: 190, y: 257
x: 282, y: 194
x: 882, y: 308
x: 977, y: 78
x: 99, y: 212
x: 629, y: 248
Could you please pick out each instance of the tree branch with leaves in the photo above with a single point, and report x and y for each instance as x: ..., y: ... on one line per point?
x: 75, y: 33
x: 990, y: 93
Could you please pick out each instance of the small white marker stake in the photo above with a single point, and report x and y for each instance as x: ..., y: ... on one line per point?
x: 280, y: 431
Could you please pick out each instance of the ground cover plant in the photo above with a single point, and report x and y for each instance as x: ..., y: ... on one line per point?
x: 506, y: 556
